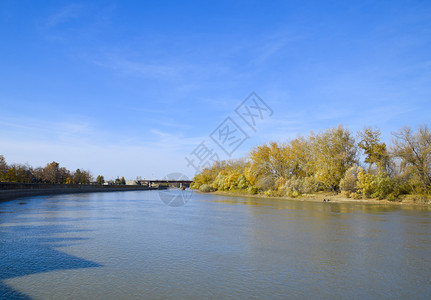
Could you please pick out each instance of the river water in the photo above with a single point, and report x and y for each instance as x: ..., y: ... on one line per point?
x: 129, y: 245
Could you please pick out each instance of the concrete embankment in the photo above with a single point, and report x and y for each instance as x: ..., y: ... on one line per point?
x: 9, y: 191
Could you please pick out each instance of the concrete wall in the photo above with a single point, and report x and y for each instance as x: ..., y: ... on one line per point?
x: 9, y: 191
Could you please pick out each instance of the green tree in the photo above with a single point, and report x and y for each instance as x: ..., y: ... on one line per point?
x: 11, y: 175
x: 3, y: 168
x: 100, y: 179
x: 23, y: 173
x: 81, y: 177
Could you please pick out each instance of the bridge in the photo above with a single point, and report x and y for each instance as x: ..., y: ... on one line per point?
x: 161, y: 183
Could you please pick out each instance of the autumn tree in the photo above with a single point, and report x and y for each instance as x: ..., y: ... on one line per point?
x: 301, y: 151
x: 271, y: 162
x: 375, y: 150
x: 334, y: 152
x: 51, y: 173
x: 414, y: 151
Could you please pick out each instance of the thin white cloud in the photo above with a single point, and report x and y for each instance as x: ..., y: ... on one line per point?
x: 64, y: 15
x: 166, y: 71
x: 47, y: 130
x: 271, y: 46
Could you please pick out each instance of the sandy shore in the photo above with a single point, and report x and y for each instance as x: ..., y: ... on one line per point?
x: 332, y: 198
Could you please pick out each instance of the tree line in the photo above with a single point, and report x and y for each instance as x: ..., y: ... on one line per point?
x: 51, y: 173
x: 331, y: 161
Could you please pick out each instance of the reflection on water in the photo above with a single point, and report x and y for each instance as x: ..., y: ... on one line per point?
x: 130, y: 245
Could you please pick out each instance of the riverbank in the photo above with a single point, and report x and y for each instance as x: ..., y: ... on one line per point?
x: 339, y: 198
x: 10, y: 191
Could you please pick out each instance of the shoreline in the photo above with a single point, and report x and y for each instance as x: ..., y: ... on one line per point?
x: 319, y: 198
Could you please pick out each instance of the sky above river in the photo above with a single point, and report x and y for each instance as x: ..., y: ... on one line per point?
x: 140, y: 88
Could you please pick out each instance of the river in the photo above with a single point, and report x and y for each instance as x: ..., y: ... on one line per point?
x: 129, y: 245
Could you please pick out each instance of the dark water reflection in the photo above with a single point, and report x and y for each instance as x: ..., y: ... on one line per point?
x: 129, y: 245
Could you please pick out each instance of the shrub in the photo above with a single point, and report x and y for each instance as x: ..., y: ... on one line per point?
x: 206, y: 188
x: 295, y: 186
x: 252, y: 190
x: 292, y: 193
x: 375, y: 186
x: 265, y: 183
x: 383, y: 186
x: 242, y: 182
x: 349, y: 182
x: 356, y: 196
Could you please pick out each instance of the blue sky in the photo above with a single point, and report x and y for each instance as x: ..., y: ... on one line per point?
x: 129, y: 88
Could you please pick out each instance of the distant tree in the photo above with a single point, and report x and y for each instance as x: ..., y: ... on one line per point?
x: 51, y: 173
x: 122, y: 180
x: 100, y: 179
x: 3, y: 168
x: 10, y: 175
x: 77, y: 176
x: 63, y: 174
x: 22, y: 173
x: 81, y: 177
x: 86, y: 177
x: 37, y: 175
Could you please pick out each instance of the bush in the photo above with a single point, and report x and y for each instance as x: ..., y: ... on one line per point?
x: 273, y: 193
x: 219, y: 182
x: 206, y: 188
x: 356, y: 196
x: 252, y: 190
x: 349, y: 182
x: 242, y: 182
x: 265, y: 183
x: 375, y: 186
x: 384, y: 186
x: 296, y: 186
x: 292, y: 193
